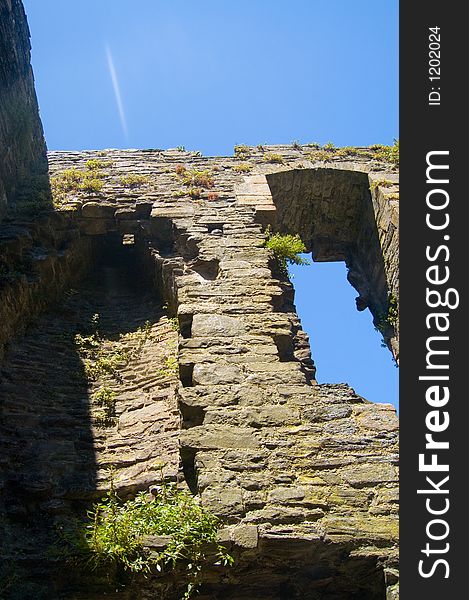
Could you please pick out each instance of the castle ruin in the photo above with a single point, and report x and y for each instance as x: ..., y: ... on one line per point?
x: 218, y: 394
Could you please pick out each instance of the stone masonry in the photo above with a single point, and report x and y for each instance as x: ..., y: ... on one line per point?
x: 23, y: 162
x: 303, y: 475
x: 213, y: 384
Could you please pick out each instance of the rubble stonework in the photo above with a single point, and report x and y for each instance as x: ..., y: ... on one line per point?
x: 303, y: 475
x: 213, y: 384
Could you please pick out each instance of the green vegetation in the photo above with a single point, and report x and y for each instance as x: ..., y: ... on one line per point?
x: 194, y: 180
x: 242, y: 151
x: 194, y: 193
x: 381, y: 183
x: 174, y: 323
x: 389, y: 320
x: 273, y: 157
x: 139, y: 337
x: 74, y: 180
x: 319, y: 155
x: 113, y: 535
x: 181, y: 148
x: 179, y: 193
x: 243, y: 167
x: 171, y: 366
x: 345, y: 151
x: 105, y: 363
x: 134, y: 179
x: 389, y: 154
x: 100, y: 357
x: 286, y: 249
x: 95, y: 164
x: 105, y: 358
x: 192, y: 177
x: 105, y: 398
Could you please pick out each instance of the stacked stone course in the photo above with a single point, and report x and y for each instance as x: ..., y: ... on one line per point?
x: 303, y: 475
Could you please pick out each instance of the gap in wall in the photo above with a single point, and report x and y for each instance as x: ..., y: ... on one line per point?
x: 344, y: 344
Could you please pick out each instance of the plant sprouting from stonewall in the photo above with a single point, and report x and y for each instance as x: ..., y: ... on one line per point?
x: 113, y: 537
x: 287, y: 249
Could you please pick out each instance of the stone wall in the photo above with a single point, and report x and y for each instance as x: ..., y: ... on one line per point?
x: 303, y: 475
x: 23, y: 163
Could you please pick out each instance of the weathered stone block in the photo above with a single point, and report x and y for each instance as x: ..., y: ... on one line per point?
x: 97, y: 210
x: 217, y: 325
x: 213, y: 374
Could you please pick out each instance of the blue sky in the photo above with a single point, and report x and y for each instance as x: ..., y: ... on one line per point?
x: 212, y: 74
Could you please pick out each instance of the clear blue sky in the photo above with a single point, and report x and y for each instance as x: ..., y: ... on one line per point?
x: 209, y: 74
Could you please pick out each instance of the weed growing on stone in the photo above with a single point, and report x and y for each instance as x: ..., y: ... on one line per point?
x: 95, y: 164
x: 140, y: 336
x: 106, y: 399
x: 242, y: 151
x: 103, y: 358
x: 345, y: 152
x: 74, y: 181
x: 98, y: 359
x: 174, y: 323
x: 381, y: 183
x: 114, y: 535
x: 132, y: 180
x: 192, y: 177
x: 389, y: 154
x: 105, y: 364
x: 242, y: 167
x: 389, y: 320
x: 171, y: 367
x: 273, y: 157
x: 194, y: 193
x: 319, y: 155
x: 286, y: 249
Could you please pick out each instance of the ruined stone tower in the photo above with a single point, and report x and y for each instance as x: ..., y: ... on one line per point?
x: 211, y: 378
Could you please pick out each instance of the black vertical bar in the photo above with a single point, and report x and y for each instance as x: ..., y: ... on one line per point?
x: 433, y: 43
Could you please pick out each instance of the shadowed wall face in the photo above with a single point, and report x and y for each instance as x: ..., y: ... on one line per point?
x: 23, y: 163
